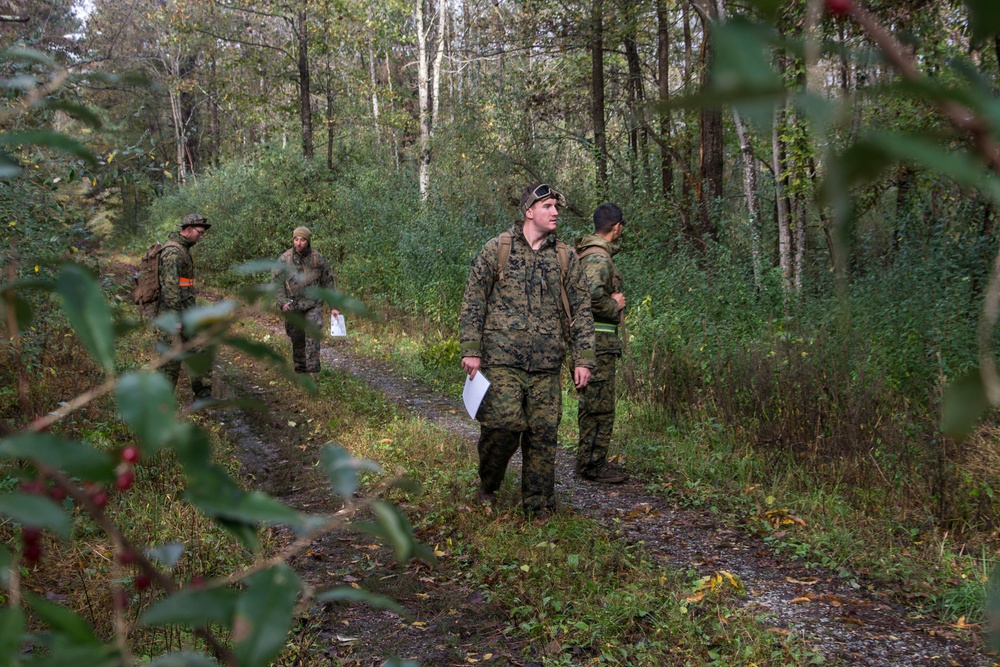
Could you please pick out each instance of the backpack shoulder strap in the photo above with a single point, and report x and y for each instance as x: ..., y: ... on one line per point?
x: 503, y: 253
x: 562, y: 255
x: 592, y: 250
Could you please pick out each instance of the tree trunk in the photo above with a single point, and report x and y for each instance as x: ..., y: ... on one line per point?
x: 597, y: 96
x: 374, y: 80
x: 305, y: 96
x: 711, y: 158
x: 216, y: 131
x: 436, y: 68
x: 423, y: 94
x: 781, y: 202
x: 801, y: 230
x: 663, y: 71
x: 636, y: 98
x: 329, y: 128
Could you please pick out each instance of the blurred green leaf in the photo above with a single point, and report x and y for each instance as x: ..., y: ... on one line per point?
x: 201, y: 317
x: 965, y: 403
x: 6, y: 561
x: 984, y: 19
x: 338, y: 300
x: 183, y: 659
x: 11, y: 631
x: 76, y: 458
x: 342, y: 469
x: 82, y: 113
x: 63, y: 620
x: 264, y: 615
x: 147, y: 403
x: 394, y: 528
x: 88, y: 312
x: 399, y: 662
x: 22, y: 310
x: 348, y: 594
x: 254, y: 349
x: 195, y: 607
x: 31, y: 55
x: 49, y: 139
x: 166, y: 555
x: 37, y: 511
x: 9, y: 168
x: 259, y: 266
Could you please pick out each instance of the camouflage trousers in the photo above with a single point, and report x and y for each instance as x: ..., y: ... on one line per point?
x: 201, y: 384
x: 596, y: 416
x: 521, y: 409
x: 305, y: 348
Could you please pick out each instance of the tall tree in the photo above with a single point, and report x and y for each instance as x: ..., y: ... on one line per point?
x: 597, y: 95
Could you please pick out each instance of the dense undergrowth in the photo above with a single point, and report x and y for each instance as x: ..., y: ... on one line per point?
x: 845, y: 382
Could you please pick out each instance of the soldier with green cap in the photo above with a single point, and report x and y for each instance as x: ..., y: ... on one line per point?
x: 515, y: 328
x: 305, y: 268
x: 596, y: 412
x: 176, y: 270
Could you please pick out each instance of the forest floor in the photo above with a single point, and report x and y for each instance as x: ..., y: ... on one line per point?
x: 845, y: 621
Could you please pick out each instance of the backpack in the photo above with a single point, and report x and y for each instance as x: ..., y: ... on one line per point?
x: 146, y: 287
x: 562, y: 255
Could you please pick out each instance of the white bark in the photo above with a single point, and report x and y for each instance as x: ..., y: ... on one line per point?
x: 423, y: 93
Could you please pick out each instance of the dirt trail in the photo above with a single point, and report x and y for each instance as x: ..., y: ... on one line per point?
x: 843, y: 622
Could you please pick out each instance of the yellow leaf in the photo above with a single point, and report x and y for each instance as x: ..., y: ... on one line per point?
x: 526, y: 568
x: 12, y: 223
x: 800, y: 600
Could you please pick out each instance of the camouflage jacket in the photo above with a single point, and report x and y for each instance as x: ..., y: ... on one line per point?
x: 176, y: 276
x: 518, y: 321
x: 310, y: 269
x: 603, y: 281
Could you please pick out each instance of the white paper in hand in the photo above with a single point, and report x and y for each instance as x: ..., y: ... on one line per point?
x: 475, y: 389
x: 337, y: 325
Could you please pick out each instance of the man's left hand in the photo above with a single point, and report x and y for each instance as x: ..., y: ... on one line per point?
x: 581, y: 376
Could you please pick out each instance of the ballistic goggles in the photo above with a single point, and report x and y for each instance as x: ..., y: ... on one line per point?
x: 542, y: 192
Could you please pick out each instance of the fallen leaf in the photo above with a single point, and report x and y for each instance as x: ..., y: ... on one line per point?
x: 848, y: 619
x: 780, y: 631
x: 800, y: 600
x: 804, y: 582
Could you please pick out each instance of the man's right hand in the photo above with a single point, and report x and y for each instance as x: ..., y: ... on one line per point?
x: 471, y: 366
x: 619, y: 298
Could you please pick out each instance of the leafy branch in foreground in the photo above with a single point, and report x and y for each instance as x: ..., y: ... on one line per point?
x: 253, y: 607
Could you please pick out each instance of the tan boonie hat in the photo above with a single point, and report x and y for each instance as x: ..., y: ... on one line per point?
x: 195, y: 220
x: 540, y: 192
x: 303, y: 232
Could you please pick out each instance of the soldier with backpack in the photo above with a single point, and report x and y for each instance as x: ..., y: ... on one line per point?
x: 596, y: 413
x: 176, y: 293
x: 526, y: 306
x: 305, y: 268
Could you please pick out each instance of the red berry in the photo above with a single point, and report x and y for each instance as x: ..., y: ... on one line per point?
x: 99, y: 498
x: 125, y: 479
x: 30, y: 535
x: 838, y: 7
x: 32, y: 553
x: 197, y: 582
x: 131, y: 454
x: 33, y: 486
x: 126, y: 557
x: 57, y: 493
x: 142, y: 582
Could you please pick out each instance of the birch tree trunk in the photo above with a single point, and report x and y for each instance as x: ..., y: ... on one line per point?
x: 374, y: 80
x: 781, y: 203
x: 435, y: 72
x: 423, y: 95
x: 749, y: 180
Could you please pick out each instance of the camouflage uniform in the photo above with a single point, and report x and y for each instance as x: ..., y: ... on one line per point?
x: 596, y: 416
x: 305, y: 270
x: 516, y: 327
x: 177, y: 294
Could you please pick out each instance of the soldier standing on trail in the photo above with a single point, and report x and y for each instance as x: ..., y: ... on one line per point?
x: 515, y: 329
x: 306, y: 268
x: 176, y: 269
x: 596, y: 415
